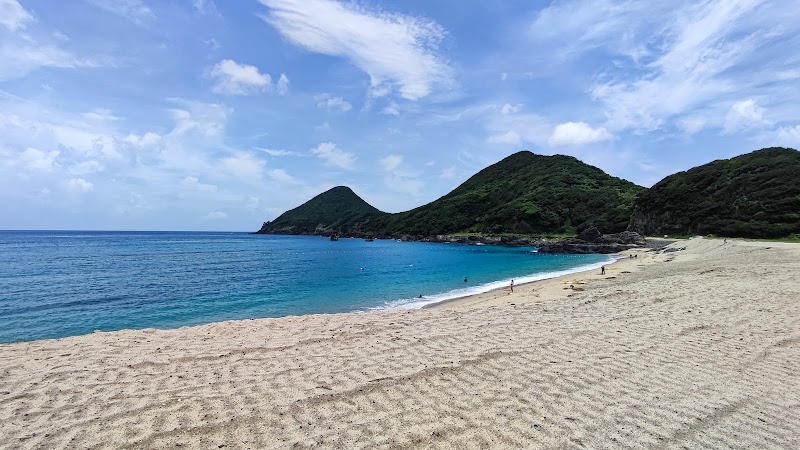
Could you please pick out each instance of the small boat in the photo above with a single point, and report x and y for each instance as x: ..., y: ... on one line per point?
x: 334, y: 237
x: 369, y: 238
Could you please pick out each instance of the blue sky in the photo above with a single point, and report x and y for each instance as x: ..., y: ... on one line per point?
x: 219, y: 115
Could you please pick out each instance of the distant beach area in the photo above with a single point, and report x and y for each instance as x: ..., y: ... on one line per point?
x: 698, y: 347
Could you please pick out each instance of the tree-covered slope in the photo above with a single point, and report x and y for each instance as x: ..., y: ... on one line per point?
x: 526, y: 193
x: 753, y: 195
x: 523, y: 193
x: 337, y: 210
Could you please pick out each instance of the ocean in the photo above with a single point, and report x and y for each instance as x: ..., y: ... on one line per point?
x: 65, y: 283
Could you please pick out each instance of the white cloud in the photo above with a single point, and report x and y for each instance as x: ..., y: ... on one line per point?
x: 280, y: 175
x: 87, y: 140
x: 146, y: 140
x: 283, y: 84
x: 789, y: 136
x: 334, y: 156
x: 101, y: 115
x: 35, y: 159
x: 12, y: 15
x: 512, y: 127
x: 238, y: 79
x: 391, y: 162
x: 80, y: 185
x: 329, y: 102
x: 194, y: 183
x: 509, y: 137
x: 744, y: 115
x: 391, y: 110
x: 398, y: 52
x: 208, y: 119
x: 134, y: 10
x: 216, y: 215
x: 277, y: 152
x: 577, y: 133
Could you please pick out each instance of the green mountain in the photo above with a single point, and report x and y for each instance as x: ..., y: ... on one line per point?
x: 336, y: 210
x: 523, y: 193
x: 753, y: 195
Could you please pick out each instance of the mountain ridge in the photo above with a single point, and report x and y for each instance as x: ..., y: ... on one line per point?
x: 756, y: 194
x: 515, y: 195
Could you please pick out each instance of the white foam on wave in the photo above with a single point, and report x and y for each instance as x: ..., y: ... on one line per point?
x: 417, y: 303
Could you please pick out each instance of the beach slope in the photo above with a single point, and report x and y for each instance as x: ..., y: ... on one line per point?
x: 698, y: 348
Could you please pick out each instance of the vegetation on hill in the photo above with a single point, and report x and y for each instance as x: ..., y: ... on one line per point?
x: 523, y: 193
x: 753, y: 195
x: 337, y: 210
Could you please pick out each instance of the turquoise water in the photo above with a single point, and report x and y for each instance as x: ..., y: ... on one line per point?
x: 56, y: 284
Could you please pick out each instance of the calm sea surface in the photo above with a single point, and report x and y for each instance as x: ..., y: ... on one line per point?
x: 65, y: 283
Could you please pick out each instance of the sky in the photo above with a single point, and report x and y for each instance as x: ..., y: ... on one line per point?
x: 220, y: 115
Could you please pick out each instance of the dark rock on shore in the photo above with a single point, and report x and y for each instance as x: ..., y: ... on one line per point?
x: 592, y: 241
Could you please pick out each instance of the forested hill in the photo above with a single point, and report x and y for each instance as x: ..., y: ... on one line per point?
x: 336, y: 210
x: 753, y: 195
x: 523, y: 193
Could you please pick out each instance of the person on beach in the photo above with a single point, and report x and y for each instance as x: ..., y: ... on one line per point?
x: 512, y: 285
x: 602, y: 270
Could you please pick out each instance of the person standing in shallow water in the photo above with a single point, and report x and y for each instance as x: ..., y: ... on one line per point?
x: 602, y: 270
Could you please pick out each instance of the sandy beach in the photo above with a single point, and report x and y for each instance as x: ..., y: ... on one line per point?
x: 698, y: 348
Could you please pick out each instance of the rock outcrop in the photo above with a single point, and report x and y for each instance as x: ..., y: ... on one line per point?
x: 592, y: 241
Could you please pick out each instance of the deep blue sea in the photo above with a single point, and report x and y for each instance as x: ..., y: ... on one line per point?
x: 65, y: 283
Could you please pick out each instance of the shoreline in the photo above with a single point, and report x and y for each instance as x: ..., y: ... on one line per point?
x: 477, y: 298
x: 553, y: 288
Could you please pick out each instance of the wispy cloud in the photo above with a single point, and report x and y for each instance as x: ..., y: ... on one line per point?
x: 277, y: 152
x: 134, y: 10
x: 12, y: 15
x: 283, y: 84
x: 398, y: 52
x: 205, y: 7
x: 671, y: 62
x: 330, y: 102
x: 391, y: 162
